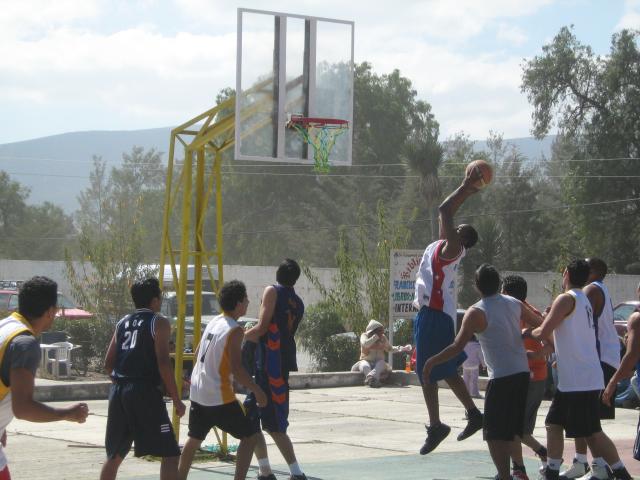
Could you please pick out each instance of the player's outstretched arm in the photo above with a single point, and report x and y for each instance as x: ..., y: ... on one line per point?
x: 240, y: 374
x: 161, y: 345
x: 474, y: 321
x: 267, y: 307
x: 631, y: 357
x: 26, y: 408
x: 448, y: 209
x: 530, y: 317
x: 562, y: 306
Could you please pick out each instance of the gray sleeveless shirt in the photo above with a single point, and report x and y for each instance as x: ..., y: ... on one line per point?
x: 501, y: 341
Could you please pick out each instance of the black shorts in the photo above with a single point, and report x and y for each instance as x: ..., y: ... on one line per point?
x: 137, y: 413
x: 535, y: 394
x: 229, y: 418
x: 607, y: 412
x: 504, y: 404
x: 577, y: 412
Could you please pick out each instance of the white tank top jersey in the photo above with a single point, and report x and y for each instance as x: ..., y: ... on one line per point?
x: 436, y: 280
x: 607, y: 335
x: 575, y: 341
x: 211, y: 379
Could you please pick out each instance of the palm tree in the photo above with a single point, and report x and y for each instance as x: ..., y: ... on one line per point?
x: 423, y: 156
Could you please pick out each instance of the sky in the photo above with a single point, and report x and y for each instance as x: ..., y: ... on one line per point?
x: 77, y: 65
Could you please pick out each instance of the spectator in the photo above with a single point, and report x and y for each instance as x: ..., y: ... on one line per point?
x: 373, y: 346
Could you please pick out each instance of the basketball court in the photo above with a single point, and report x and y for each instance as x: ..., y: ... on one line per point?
x: 338, y: 434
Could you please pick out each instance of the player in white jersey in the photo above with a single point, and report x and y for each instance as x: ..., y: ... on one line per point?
x: 608, y: 346
x: 575, y: 409
x: 217, y: 364
x: 433, y: 327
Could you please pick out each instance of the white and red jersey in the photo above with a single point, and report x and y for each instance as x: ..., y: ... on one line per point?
x: 436, y: 280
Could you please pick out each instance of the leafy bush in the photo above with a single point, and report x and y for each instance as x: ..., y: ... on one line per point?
x: 319, y: 335
x: 93, y: 334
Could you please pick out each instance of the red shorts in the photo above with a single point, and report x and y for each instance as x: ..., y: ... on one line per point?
x: 4, y: 473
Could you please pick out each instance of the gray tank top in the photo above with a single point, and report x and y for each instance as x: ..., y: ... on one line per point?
x: 501, y: 341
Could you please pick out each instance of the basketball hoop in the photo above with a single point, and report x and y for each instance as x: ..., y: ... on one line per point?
x: 321, y: 134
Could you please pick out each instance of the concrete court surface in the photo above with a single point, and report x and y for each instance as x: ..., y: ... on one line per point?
x: 338, y: 433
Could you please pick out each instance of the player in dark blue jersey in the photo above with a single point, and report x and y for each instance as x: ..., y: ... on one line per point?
x: 138, y: 361
x: 280, y: 314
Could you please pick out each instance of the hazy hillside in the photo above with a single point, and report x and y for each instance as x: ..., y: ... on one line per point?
x: 56, y: 168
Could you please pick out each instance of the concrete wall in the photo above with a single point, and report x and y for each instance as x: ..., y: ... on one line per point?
x: 622, y: 287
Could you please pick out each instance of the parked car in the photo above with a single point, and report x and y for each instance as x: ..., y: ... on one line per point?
x: 621, y: 314
x: 66, y: 307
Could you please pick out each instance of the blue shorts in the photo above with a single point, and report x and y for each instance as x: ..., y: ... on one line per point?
x: 433, y: 331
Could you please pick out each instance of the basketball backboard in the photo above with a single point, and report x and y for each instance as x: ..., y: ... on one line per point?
x: 291, y: 65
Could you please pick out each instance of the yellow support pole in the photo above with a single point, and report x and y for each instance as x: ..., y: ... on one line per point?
x: 200, y: 212
x: 184, y: 273
x: 219, y: 237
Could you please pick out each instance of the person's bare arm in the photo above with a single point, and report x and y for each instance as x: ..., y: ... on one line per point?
x: 240, y: 374
x: 448, y: 209
x: 631, y: 357
x: 110, y: 357
x: 596, y: 298
x: 267, y: 307
x: 560, y: 309
x: 530, y: 317
x: 474, y: 321
x: 161, y: 345
x: 26, y: 408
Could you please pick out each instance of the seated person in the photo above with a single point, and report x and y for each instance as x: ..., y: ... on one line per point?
x: 373, y: 346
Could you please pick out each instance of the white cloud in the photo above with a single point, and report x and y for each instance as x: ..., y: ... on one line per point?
x: 631, y: 16
x: 511, y: 34
x: 140, y: 76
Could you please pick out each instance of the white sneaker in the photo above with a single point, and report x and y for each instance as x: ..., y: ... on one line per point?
x: 577, y: 470
x: 597, y: 473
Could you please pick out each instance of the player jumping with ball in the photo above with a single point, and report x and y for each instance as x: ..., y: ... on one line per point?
x: 433, y: 327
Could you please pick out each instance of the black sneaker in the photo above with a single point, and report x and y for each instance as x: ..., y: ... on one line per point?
x: 435, y: 435
x: 621, y: 474
x: 271, y: 476
x: 474, y: 423
x: 298, y: 477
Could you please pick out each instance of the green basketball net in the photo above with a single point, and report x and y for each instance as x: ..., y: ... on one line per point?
x: 321, y: 134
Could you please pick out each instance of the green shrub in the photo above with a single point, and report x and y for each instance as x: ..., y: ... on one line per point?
x: 93, y: 334
x: 319, y: 336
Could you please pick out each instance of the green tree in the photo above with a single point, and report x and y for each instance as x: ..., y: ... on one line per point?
x: 119, y: 238
x: 31, y: 232
x: 595, y: 103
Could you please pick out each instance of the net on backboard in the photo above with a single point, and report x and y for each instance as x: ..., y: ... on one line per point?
x: 321, y: 134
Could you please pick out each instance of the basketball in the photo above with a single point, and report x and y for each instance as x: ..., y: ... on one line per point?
x: 485, y: 171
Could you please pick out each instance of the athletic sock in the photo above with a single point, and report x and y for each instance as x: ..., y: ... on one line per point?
x: 554, y: 463
x: 617, y: 465
x: 581, y: 457
x: 295, y: 469
x: 599, y: 461
x: 264, y: 468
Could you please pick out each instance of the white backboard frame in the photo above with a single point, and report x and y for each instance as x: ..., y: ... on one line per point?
x: 281, y: 156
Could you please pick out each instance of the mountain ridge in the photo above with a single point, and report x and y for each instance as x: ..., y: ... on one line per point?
x: 56, y: 168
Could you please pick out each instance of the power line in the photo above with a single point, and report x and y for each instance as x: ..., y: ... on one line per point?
x: 343, y: 175
x: 363, y: 225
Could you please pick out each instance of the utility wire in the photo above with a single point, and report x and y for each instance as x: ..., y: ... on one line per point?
x: 364, y: 225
